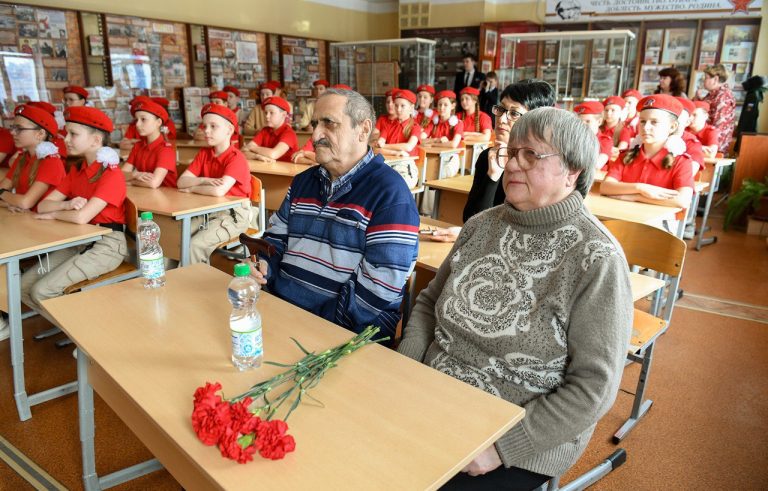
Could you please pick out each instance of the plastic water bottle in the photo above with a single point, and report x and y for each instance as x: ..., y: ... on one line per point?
x: 150, y: 252
x: 245, y: 320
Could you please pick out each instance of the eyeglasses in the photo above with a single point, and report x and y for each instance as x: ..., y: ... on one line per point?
x: 526, y: 157
x: 14, y: 128
x: 499, y: 111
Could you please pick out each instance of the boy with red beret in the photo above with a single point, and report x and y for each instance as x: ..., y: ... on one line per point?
x: 256, y: 119
x: 591, y: 114
x: 219, y: 98
x: 7, y: 148
x: 708, y: 135
x: 75, y: 96
x: 152, y: 161
x: 612, y: 128
x: 277, y: 140
x: 218, y: 170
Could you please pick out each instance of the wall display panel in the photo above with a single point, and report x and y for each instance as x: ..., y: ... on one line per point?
x: 237, y: 58
x: 303, y: 61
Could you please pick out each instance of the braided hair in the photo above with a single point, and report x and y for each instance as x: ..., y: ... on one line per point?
x: 104, y: 143
x: 23, y: 162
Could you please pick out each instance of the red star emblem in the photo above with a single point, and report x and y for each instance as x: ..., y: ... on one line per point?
x: 740, y: 6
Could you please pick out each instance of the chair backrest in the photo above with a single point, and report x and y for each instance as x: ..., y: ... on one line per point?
x: 259, y: 199
x: 649, y: 247
x: 255, y: 189
x: 131, y: 217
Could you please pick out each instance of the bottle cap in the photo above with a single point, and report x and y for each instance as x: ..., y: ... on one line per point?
x: 146, y: 215
x: 242, y: 270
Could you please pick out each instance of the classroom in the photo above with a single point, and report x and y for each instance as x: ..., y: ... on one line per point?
x: 386, y: 245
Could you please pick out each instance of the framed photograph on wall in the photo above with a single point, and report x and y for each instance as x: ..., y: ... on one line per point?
x: 486, y: 66
x: 602, y: 81
x: 739, y: 43
x: 491, y: 37
x: 710, y: 39
x: 678, y: 46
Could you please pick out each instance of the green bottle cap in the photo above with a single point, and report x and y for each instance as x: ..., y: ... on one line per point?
x: 146, y: 215
x: 242, y: 270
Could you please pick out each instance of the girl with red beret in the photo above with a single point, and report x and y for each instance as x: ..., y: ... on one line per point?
x: 93, y: 192
x: 655, y: 170
x: 218, y: 170
x: 631, y: 98
x: 277, y: 140
x: 402, y: 136
x: 476, y: 123
x: 708, y: 135
x: 58, y: 138
x: 447, y: 130
x: 591, y: 114
x: 152, y: 161
x: 75, y: 96
x: 38, y: 167
x: 612, y: 127
x: 425, y: 96
x: 383, y: 121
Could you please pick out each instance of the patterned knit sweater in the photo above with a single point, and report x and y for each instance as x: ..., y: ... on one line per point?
x: 346, y: 257
x: 534, y: 307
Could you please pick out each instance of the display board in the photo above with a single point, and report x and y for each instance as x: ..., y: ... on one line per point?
x: 304, y: 61
x: 237, y: 58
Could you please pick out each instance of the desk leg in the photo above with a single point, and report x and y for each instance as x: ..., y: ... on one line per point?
x: 186, y: 238
x: 700, y: 240
x: 87, y: 430
x: 13, y: 282
x: 436, y: 203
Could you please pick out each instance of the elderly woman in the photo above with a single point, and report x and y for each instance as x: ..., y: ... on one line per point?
x: 722, y: 105
x: 533, y: 305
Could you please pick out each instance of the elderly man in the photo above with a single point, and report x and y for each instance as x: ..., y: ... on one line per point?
x: 346, y: 235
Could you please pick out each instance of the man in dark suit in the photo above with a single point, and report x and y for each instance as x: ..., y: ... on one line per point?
x: 469, y: 77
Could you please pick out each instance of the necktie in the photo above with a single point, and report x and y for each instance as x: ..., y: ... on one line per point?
x: 466, y: 80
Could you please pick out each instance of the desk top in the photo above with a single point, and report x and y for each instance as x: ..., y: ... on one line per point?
x: 632, y: 211
x: 439, y: 150
x: 22, y: 233
x: 190, y: 143
x: 276, y: 168
x: 384, y: 420
x: 171, y: 202
x: 458, y: 184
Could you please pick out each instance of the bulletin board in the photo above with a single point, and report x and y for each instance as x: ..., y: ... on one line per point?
x: 237, y: 58
x: 304, y: 61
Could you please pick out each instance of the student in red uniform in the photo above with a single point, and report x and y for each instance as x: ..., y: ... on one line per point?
x: 169, y: 124
x: 75, y: 96
x: 94, y: 193
x: 476, y: 123
x: 446, y: 129
x: 403, y: 134
x: 218, y: 170
x: 277, y: 140
x: 658, y: 170
x: 708, y: 135
x: 306, y: 155
x: 219, y: 98
x: 383, y: 121
x: 7, y: 148
x: 425, y: 96
x: 591, y: 114
x: 38, y: 168
x: 692, y: 144
x: 152, y: 161
x: 256, y: 120
x: 131, y: 136
x: 307, y: 107
x: 631, y: 97
x: 621, y: 137
x: 58, y: 139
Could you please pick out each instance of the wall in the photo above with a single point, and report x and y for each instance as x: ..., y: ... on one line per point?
x: 761, y: 65
x: 293, y: 17
x: 448, y: 14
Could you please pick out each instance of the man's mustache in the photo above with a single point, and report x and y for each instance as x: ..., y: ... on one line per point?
x: 322, y: 142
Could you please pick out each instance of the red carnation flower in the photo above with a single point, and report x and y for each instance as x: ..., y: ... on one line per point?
x: 231, y: 446
x: 210, y: 416
x: 272, y: 441
x: 242, y: 420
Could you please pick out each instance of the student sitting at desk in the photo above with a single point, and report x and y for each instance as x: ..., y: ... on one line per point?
x: 591, y: 114
x: 7, y: 148
x: 307, y: 107
x: 131, y: 136
x: 708, y: 135
x: 447, y: 130
x: 169, y: 124
x: 277, y: 140
x: 233, y: 102
x: 256, y: 120
x: 631, y: 118
x: 58, y: 138
x: 218, y: 170
x: 425, y: 96
x: 94, y: 193
x: 152, y: 161
x: 692, y: 144
x: 403, y: 134
x: 218, y: 98
x: 658, y: 171
x: 38, y: 167
x: 383, y: 121
x: 476, y: 123
x: 612, y: 127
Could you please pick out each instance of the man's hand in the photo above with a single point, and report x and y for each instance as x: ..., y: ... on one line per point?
x: 259, y: 271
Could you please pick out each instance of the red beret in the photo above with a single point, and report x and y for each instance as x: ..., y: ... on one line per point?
x: 390, y: 92
x: 589, y: 107
x: 39, y: 116
x: 277, y: 101
x: 470, y: 90
x: 342, y: 87
x: 426, y: 88
x: 89, y: 116
x: 661, y: 101
x: 267, y: 86
x: 405, y: 94
x: 231, y: 89
x: 45, y: 106
x: 161, y: 100
x: 445, y: 93
x: 687, y: 104
x: 151, y: 108
x: 76, y: 89
x: 219, y: 94
x: 222, y: 111
x: 615, y: 100
x: 632, y: 93
x: 702, y: 105
x: 322, y: 82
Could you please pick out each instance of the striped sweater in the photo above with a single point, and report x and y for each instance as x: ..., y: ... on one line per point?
x: 345, y: 257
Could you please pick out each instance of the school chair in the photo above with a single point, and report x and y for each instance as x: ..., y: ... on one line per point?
x: 590, y: 477
x: 648, y: 247
x: 258, y: 202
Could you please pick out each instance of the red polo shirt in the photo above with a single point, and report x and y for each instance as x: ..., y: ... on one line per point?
x: 231, y: 163
x: 50, y: 170
x: 148, y: 157
x: 270, y: 137
x: 396, y: 133
x: 309, y: 146
x: 631, y: 126
x: 624, y: 134
x: 650, y: 171
x: 6, y: 146
x: 444, y: 128
x: 382, y: 124
x: 708, y: 136
x: 693, y: 147
x: 132, y: 134
x: 110, y: 187
x: 606, y: 144
x: 469, y: 122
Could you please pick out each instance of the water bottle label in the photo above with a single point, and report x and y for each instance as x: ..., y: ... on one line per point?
x: 152, y: 266
x: 247, y: 344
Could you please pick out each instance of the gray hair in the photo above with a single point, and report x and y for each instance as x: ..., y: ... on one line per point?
x: 357, y: 108
x: 567, y: 135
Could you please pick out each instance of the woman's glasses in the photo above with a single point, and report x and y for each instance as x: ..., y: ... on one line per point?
x: 526, y: 157
x: 499, y: 111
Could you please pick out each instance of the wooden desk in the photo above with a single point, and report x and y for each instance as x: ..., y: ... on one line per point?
x: 711, y: 175
x: 435, y: 157
x: 393, y: 161
x: 173, y: 212
x: 186, y: 150
x: 303, y: 136
x: 450, y: 198
x: 24, y: 237
x: 474, y: 148
x: 607, y: 208
x: 384, y: 420
x: 276, y: 178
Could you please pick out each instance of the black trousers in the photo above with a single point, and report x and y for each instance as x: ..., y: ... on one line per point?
x: 512, y: 479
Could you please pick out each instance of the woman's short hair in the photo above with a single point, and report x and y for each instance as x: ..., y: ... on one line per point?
x: 531, y: 93
x: 718, y: 71
x: 567, y: 135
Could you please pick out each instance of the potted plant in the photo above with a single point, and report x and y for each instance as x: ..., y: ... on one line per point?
x: 753, y: 196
